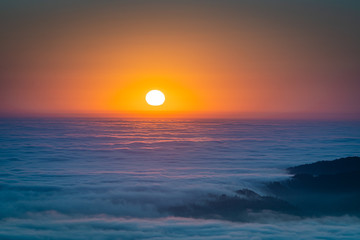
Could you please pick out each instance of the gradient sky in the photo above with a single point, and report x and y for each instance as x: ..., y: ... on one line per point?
x: 210, y: 58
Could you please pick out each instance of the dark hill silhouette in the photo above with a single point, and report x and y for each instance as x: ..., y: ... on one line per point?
x: 317, y: 189
x: 326, y: 187
x: 234, y: 208
x: 338, y: 176
x: 338, y: 166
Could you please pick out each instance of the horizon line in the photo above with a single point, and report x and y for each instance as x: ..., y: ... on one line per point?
x: 187, y: 115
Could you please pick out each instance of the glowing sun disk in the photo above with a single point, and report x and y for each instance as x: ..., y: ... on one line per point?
x: 155, y: 98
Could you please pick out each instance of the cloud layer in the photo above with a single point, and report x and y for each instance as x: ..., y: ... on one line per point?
x: 112, y: 179
x: 51, y: 226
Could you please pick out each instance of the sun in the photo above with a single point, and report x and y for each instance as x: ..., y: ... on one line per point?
x: 155, y: 98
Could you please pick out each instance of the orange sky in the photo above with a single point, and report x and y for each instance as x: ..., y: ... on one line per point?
x: 209, y: 58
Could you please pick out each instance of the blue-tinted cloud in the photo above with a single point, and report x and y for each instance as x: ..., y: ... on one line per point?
x: 52, y: 226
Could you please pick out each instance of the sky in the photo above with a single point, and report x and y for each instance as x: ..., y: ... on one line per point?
x: 210, y: 58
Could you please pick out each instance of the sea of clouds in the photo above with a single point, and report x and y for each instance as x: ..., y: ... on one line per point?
x: 117, y: 179
x: 55, y: 226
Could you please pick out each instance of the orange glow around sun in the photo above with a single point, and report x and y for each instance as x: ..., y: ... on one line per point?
x: 130, y: 97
